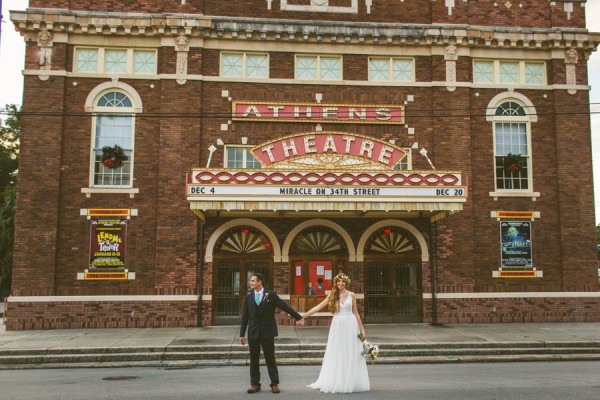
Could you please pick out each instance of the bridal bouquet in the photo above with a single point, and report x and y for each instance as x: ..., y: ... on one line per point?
x: 370, y: 350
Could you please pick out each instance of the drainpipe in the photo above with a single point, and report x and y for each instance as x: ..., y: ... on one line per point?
x: 432, y: 265
x: 199, y: 264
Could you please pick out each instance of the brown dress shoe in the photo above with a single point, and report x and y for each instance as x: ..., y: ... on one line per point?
x: 254, y: 389
x: 275, y: 389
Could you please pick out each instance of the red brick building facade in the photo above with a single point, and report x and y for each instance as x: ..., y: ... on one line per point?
x: 171, y: 148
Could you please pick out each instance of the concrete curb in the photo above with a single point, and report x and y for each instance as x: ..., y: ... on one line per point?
x: 298, y: 362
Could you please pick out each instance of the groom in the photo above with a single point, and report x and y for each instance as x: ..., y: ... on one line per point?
x: 259, y: 316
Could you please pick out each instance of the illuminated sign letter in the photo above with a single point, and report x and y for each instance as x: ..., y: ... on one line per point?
x: 329, y: 144
x: 386, y: 153
x: 287, y: 148
x: 309, y: 144
x: 383, y: 114
x: 267, y: 149
x: 275, y: 110
x: 366, y: 147
x: 297, y: 112
x: 253, y: 110
x: 348, y: 140
x: 330, y: 112
x: 362, y: 114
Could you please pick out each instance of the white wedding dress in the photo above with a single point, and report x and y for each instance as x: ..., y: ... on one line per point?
x: 343, y: 370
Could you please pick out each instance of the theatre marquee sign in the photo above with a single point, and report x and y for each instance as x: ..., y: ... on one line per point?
x: 349, y: 146
x: 325, y: 171
x: 386, y: 189
x: 260, y: 111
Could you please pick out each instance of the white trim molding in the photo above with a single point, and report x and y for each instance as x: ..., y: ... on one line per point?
x: 513, y: 295
x: 63, y: 299
x: 358, y: 296
x: 114, y: 84
x: 499, y: 98
x: 514, y: 193
x: 89, y: 191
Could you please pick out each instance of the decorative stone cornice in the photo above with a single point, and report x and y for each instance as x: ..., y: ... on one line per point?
x: 195, y: 25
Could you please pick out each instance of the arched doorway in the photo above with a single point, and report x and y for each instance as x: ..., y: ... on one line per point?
x: 393, y: 276
x: 316, y: 254
x: 238, y: 253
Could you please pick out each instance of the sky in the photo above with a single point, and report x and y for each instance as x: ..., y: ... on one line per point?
x: 12, y: 58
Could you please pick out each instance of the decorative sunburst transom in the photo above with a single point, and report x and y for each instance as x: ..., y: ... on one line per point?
x: 391, y: 240
x: 243, y: 240
x: 318, y: 241
x: 331, y: 162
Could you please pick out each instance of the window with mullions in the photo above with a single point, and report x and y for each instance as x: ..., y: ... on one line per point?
x: 319, y: 68
x: 391, y: 69
x: 514, y: 72
x: 405, y: 163
x: 243, y: 65
x: 512, y: 147
x: 115, y: 61
x: 113, y: 126
x: 240, y: 157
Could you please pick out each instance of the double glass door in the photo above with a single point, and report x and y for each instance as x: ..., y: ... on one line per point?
x: 393, y: 292
x: 231, y: 284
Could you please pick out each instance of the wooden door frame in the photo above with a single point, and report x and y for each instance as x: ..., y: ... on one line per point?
x: 242, y: 261
x: 392, y: 260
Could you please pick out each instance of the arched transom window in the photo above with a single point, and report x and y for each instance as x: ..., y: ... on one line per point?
x: 391, y: 240
x: 113, y: 139
x: 512, y: 147
x: 318, y: 240
x: 243, y: 240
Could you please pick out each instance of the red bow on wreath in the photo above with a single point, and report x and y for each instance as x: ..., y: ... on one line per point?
x: 513, y: 163
x: 113, y: 157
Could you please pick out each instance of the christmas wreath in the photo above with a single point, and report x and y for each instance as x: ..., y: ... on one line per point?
x: 113, y: 156
x: 513, y: 163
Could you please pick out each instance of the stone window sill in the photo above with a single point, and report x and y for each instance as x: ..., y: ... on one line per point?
x: 515, y: 193
x: 88, y: 191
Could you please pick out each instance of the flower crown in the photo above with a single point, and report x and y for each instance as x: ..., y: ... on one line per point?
x: 343, y: 276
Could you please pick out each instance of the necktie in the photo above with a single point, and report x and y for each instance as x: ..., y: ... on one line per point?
x: 257, y: 298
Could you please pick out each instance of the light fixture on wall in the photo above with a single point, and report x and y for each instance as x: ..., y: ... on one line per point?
x: 212, y: 149
x: 423, y: 152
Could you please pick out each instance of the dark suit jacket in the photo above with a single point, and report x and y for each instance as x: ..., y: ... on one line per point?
x: 260, y: 320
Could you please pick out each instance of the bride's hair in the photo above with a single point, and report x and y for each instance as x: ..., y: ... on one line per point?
x: 334, y: 298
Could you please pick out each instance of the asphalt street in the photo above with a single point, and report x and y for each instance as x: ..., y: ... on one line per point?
x: 489, y: 381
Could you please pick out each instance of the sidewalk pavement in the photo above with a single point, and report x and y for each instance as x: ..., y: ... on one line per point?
x: 397, y: 334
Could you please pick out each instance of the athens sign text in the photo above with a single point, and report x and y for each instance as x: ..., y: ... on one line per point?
x: 318, y: 112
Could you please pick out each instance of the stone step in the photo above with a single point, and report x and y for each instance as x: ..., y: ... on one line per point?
x: 388, y: 347
x: 297, y: 354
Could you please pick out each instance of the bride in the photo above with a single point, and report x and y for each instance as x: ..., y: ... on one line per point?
x: 344, y: 370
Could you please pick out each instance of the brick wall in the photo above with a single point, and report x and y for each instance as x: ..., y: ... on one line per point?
x: 100, y: 314
x: 38, y: 191
x: 525, y: 13
x: 179, y: 123
x: 514, y: 310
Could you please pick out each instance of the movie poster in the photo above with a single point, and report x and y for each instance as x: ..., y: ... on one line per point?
x: 107, y: 244
x: 515, y: 239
